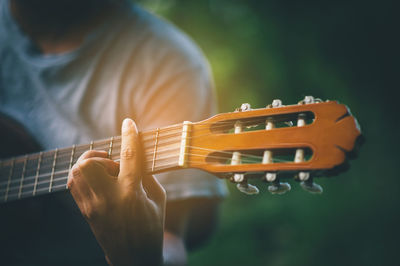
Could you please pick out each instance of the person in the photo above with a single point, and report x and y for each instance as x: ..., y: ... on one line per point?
x: 70, y: 72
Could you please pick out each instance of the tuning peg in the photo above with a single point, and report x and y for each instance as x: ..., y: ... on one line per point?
x: 279, y: 188
x: 243, y: 107
x: 276, y: 187
x: 276, y: 103
x: 247, y: 188
x: 311, y: 187
x: 309, y: 100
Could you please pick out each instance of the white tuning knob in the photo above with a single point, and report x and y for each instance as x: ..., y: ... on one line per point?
x: 309, y: 99
x: 311, y: 187
x: 276, y: 103
x: 279, y: 188
x: 247, y: 188
x: 245, y: 107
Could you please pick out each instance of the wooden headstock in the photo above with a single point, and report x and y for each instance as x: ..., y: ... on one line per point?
x: 304, y: 140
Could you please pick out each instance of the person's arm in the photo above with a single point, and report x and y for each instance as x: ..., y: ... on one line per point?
x: 124, y: 209
x: 188, y: 224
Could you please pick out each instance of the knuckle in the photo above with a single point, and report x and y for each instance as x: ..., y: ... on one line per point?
x: 88, y: 154
x: 85, y: 164
x: 128, y: 153
x: 74, y: 173
x: 70, y: 182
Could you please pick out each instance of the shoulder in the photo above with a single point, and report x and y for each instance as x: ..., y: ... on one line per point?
x: 162, y: 42
x: 166, y: 69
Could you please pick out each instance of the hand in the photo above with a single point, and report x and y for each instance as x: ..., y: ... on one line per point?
x: 124, y: 209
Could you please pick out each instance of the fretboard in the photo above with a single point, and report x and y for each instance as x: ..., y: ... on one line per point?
x: 46, y: 172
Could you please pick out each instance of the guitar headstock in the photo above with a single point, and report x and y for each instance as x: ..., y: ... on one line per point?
x: 304, y: 141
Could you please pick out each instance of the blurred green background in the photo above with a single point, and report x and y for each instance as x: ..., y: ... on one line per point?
x: 341, y: 50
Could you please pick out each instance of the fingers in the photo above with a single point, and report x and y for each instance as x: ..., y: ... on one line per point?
x: 100, y: 157
x: 111, y: 167
x: 129, y: 160
x: 154, y: 189
x: 92, y: 153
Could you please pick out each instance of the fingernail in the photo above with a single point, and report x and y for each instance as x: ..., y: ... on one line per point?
x: 126, y: 124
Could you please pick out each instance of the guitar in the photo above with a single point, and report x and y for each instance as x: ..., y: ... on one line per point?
x: 307, y: 140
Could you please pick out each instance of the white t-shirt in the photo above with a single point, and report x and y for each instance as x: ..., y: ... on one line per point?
x: 133, y: 65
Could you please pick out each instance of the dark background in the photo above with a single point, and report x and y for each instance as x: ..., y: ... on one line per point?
x: 338, y: 50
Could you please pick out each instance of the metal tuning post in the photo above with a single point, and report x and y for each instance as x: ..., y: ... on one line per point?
x: 239, y: 178
x: 306, y: 181
x: 299, y: 156
x: 275, y: 187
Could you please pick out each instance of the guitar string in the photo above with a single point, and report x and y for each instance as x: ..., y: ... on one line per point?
x: 246, y: 158
x: 46, y: 189
x: 177, y: 134
x: 115, y: 154
x: 45, y: 181
x: 106, y: 142
x: 117, y: 139
x: 39, y: 190
x: 48, y: 174
x: 219, y: 124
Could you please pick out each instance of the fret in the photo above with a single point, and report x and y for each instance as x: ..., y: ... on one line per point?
x: 91, y: 145
x: 22, y: 176
x: 14, y: 179
x: 2, y: 170
x: 9, y: 179
x: 111, y: 147
x: 155, y: 150
x: 37, y: 173
x: 61, y: 170
x: 4, y: 177
x: 29, y: 175
x: 71, y: 160
x: 52, y: 170
x: 43, y: 181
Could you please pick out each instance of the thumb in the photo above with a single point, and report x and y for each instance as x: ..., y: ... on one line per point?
x: 130, y: 157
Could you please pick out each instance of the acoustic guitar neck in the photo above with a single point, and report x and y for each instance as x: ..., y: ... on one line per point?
x: 46, y: 172
x: 306, y: 140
